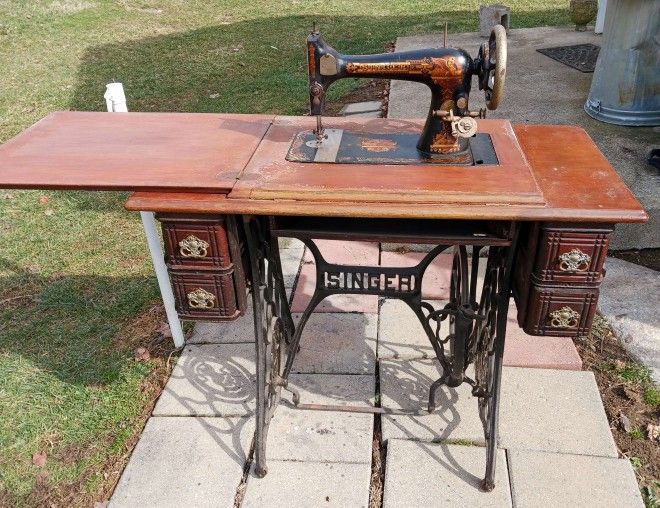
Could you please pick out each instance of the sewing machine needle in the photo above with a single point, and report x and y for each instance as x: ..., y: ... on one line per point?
x: 319, y: 129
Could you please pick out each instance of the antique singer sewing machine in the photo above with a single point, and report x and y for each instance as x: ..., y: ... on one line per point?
x: 449, y: 134
x: 227, y: 186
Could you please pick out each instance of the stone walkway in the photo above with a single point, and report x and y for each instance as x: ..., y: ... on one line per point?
x: 555, y: 446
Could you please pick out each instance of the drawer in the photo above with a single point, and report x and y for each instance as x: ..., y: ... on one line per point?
x: 208, y: 296
x: 571, y: 255
x: 561, y: 312
x: 199, y: 242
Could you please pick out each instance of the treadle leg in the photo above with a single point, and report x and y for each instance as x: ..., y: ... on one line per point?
x: 489, y: 403
x: 260, y: 468
x: 492, y: 429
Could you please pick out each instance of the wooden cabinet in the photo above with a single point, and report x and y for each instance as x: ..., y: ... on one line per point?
x: 557, y: 278
x: 203, y: 254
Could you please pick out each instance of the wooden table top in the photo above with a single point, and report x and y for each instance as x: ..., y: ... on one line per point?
x: 132, y: 151
x: 229, y: 163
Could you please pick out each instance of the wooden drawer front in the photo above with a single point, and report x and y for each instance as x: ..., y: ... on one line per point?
x: 567, y: 255
x: 196, y: 243
x: 559, y: 311
x: 207, y: 296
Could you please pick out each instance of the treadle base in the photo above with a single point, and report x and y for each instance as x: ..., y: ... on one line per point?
x: 469, y: 329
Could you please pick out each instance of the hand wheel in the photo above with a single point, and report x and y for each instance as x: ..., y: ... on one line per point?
x: 493, y: 67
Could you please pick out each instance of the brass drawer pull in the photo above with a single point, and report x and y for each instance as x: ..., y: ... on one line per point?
x: 193, y: 247
x: 574, y: 261
x: 564, y: 318
x: 201, y: 299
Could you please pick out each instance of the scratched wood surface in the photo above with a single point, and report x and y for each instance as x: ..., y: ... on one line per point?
x: 577, y: 182
x: 269, y: 175
x: 131, y: 151
x: 226, y: 163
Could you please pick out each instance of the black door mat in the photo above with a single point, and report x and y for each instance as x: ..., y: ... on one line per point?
x: 580, y: 56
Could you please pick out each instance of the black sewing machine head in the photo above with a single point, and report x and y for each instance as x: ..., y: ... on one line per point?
x: 447, y: 71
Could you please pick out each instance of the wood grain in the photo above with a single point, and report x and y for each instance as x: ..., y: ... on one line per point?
x: 132, y: 151
x: 270, y: 176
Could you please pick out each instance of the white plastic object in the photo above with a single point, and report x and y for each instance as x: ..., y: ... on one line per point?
x: 116, y: 102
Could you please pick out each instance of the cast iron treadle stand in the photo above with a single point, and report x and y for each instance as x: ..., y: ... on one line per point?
x: 476, y: 326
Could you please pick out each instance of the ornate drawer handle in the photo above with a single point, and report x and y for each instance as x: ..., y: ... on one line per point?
x: 574, y: 261
x: 193, y: 247
x: 564, y: 318
x: 201, y: 299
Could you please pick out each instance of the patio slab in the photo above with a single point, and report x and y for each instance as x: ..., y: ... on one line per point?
x: 324, y: 436
x: 291, y: 254
x: 320, y: 436
x: 337, y: 343
x: 426, y: 474
x: 558, y: 480
x: 232, y: 332
x: 553, y: 410
x: 523, y: 350
x: 334, y: 389
x: 291, y: 484
x: 400, y: 335
x: 185, y: 462
x: 404, y: 384
x: 541, y: 409
x: 210, y: 380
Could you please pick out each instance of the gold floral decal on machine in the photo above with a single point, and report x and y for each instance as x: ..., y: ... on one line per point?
x: 441, y: 70
x: 574, y: 261
x: 564, y: 318
x: 201, y: 299
x: 193, y: 247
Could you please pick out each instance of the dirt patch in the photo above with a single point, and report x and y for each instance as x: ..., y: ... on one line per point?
x: 631, y: 402
x: 650, y: 258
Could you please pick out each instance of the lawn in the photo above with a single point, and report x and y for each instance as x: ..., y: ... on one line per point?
x: 77, y: 294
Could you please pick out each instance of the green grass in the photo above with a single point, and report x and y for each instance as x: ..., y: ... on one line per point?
x: 652, y: 396
x: 70, y: 280
x: 633, y: 373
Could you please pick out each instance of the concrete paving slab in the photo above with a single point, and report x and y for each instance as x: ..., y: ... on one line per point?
x: 334, y: 251
x: 545, y: 410
x: 629, y: 300
x: 210, y: 380
x: 366, y: 114
x: 435, y: 285
x: 232, y: 332
x: 400, y: 334
x: 535, y: 86
x: 360, y: 107
x: 291, y: 254
x: 425, y: 474
x: 309, y: 484
x: 553, y: 410
x: 334, y: 389
x: 523, y: 350
x: 337, y: 343
x: 404, y: 384
x: 560, y: 480
x: 185, y: 462
x: 320, y: 436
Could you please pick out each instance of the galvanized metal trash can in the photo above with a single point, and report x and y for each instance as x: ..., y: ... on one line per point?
x: 625, y: 89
